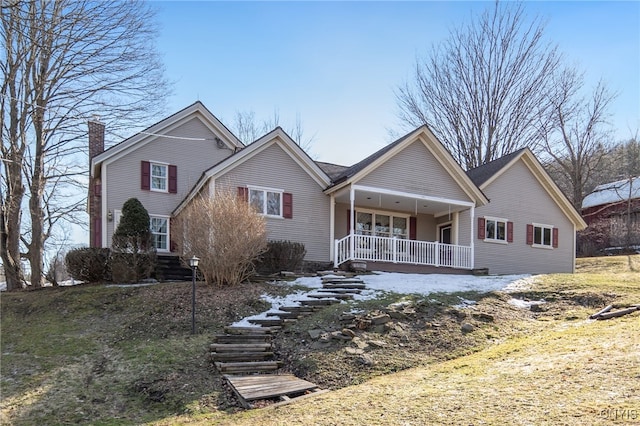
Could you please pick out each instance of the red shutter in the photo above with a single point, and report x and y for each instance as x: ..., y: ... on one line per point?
x: 145, y: 176
x: 173, y: 179
x: 348, y: 221
x: 509, y: 232
x: 97, y: 233
x: 243, y: 193
x: 413, y: 227
x: 481, y: 228
x: 529, y: 234
x: 555, y: 237
x: 287, y: 205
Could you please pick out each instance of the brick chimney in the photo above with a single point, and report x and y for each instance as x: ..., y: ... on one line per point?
x: 96, y: 137
x: 96, y: 146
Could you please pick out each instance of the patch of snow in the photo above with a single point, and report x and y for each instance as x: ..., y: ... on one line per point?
x: 311, y: 282
x: 276, y: 302
x: 464, y: 303
x: 66, y: 283
x: 525, y: 304
x: 521, y: 284
x: 381, y: 282
x: 426, y: 284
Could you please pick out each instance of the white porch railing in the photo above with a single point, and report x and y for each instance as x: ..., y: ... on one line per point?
x: 395, y: 250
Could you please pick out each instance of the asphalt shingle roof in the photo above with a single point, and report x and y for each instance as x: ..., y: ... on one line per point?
x: 483, y: 173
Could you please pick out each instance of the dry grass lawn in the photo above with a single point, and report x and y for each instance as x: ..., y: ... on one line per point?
x: 567, y: 371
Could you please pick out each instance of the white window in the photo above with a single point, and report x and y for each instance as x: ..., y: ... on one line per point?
x: 543, y: 235
x: 381, y: 224
x: 159, y: 176
x: 160, y: 231
x: 495, y: 230
x: 266, y: 201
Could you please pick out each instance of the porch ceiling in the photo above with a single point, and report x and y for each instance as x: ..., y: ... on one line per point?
x: 405, y: 204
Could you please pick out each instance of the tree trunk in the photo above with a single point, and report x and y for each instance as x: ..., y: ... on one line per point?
x: 10, y: 246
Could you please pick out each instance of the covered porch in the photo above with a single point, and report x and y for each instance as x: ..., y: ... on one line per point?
x: 396, y: 227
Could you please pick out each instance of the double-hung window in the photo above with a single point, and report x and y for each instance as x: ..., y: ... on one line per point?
x: 542, y: 235
x: 266, y: 201
x: 159, y: 177
x: 496, y: 230
x: 160, y: 232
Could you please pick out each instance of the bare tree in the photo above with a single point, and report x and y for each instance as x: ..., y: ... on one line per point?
x: 248, y: 129
x: 483, y: 90
x: 62, y: 62
x: 577, y: 136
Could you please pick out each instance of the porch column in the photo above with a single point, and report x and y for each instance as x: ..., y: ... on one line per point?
x: 332, y: 227
x: 352, y: 243
x: 473, y: 234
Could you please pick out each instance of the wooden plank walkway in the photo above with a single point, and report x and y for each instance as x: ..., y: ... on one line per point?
x: 285, y: 387
x: 244, y: 355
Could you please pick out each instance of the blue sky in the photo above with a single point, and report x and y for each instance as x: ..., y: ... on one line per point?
x: 336, y: 64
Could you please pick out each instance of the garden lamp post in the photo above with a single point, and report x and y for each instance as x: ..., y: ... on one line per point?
x: 193, y: 262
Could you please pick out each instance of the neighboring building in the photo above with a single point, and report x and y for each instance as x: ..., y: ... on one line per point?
x: 407, y: 206
x: 614, y: 209
x: 613, y: 200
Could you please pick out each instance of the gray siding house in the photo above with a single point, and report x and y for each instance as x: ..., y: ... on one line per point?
x: 409, y: 206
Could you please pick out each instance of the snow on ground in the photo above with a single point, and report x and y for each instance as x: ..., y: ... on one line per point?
x: 525, y: 304
x: 437, y: 283
x: 3, y: 285
x: 399, y: 283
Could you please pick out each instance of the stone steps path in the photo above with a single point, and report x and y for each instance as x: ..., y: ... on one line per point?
x: 244, y: 355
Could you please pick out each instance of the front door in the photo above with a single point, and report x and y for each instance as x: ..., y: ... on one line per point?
x: 445, y: 238
x: 445, y: 234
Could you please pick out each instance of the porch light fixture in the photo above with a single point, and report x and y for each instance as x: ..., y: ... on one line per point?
x: 193, y: 262
x: 110, y: 216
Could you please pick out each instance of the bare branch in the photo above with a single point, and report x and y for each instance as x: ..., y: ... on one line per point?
x: 484, y: 89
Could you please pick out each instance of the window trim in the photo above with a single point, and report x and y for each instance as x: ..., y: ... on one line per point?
x: 168, y: 234
x: 265, y: 190
x: 542, y: 245
x: 166, y: 176
x: 486, y: 239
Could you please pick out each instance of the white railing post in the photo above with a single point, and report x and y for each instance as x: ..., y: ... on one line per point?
x: 395, y: 250
x: 437, y: 254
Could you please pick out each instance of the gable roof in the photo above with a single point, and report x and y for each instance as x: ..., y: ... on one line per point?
x: 352, y: 170
x: 424, y: 135
x: 483, y: 173
x: 613, y: 192
x: 486, y: 174
x: 277, y: 136
x: 164, y: 126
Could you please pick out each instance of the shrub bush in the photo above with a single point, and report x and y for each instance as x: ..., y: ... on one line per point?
x: 282, y: 256
x: 89, y: 264
x: 225, y: 232
x: 133, y: 255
